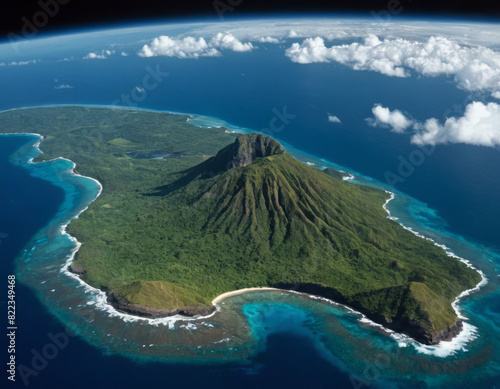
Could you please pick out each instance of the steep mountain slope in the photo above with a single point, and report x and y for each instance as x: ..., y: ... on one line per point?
x: 258, y: 217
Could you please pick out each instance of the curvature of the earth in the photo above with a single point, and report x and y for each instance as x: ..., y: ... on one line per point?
x: 412, y: 104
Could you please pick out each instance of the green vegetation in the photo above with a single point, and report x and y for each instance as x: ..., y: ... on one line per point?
x: 197, y: 226
x: 413, y: 300
x: 335, y: 173
x: 159, y: 294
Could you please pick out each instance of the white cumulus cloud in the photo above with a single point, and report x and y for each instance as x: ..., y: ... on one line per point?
x: 395, y: 120
x: 20, y: 63
x: 190, y: 47
x: 479, y: 126
x: 333, y: 119
x: 268, y: 39
x: 310, y: 51
x: 63, y: 86
x: 103, y: 54
x: 474, y: 68
x: 227, y: 41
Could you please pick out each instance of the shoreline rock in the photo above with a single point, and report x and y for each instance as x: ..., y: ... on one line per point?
x: 153, y: 312
x: 406, y: 326
x: 411, y: 328
x: 76, y: 269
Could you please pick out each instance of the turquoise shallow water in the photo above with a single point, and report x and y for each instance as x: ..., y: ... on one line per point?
x: 248, y: 323
x: 285, y: 340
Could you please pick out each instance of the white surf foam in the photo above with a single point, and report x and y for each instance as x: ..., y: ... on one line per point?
x: 469, y: 332
x: 443, y: 349
x: 348, y: 177
x: 98, y: 297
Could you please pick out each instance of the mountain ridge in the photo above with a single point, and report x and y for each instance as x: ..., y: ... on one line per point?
x: 259, y: 217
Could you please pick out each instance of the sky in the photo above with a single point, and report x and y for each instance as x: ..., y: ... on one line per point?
x: 393, y: 49
x: 55, y: 15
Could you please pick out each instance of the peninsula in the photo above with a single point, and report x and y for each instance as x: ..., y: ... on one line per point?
x: 187, y: 214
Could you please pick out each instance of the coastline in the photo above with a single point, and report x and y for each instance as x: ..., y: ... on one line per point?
x: 101, y: 297
x: 468, y: 331
x: 223, y: 296
x: 442, y: 349
x: 231, y: 127
x: 448, y: 251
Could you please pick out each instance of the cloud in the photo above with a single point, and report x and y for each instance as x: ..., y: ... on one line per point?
x: 333, y: 119
x: 124, y: 54
x: 190, y: 47
x: 384, y: 117
x: 227, y: 41
x: 20, y: 63
x: 310, y: 51
x: 342, y: 28
x: 23, y: 63
x: 103, y: 54
x: 94, y: 56
x: 496, y: 95
x: 63, y: 86
x: 359, y: 57
x: 268, y: 39
x: 479, y: 126
x: 474, y: 68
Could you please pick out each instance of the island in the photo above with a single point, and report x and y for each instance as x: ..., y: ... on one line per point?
x: 187, y: 214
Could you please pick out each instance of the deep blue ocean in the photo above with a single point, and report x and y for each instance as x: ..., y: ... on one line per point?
x: 30, y: 203
x: 461, y: 182
x: 457, y: 186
